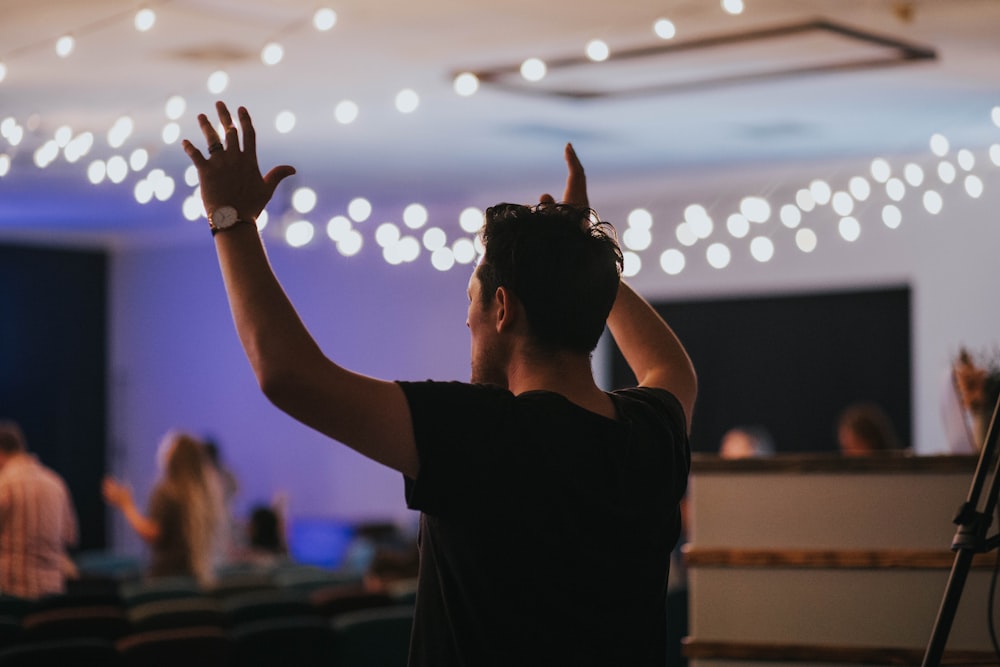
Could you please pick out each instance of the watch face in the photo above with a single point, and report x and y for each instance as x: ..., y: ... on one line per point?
x: 224, y: 216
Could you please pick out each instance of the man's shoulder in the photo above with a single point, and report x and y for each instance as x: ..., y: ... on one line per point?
x: 453, y: 390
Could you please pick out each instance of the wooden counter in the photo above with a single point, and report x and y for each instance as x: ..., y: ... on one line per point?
x: 821, y: 559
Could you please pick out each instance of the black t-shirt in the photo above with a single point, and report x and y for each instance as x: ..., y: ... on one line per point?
x: 546, y: 529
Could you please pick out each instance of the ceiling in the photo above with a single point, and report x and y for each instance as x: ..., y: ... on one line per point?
x: 784, y: 82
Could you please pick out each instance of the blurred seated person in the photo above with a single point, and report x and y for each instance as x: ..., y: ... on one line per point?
x: 266, y: 545
x: 185, y: 512
x: 865, y: 429
x: 744, y: 442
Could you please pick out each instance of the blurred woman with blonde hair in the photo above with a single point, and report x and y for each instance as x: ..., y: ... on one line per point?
x: 185, y: 514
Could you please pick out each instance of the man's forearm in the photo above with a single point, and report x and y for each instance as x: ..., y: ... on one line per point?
x: 651, y: 348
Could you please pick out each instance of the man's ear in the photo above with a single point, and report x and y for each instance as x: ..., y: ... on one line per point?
x: 507, y: 310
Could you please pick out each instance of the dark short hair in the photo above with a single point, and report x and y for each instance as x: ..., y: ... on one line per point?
x: 870, y: 424
x: 561, y: 262
x: 11, y: 437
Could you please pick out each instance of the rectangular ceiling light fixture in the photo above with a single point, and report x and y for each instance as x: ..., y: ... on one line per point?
x: 813, y: 47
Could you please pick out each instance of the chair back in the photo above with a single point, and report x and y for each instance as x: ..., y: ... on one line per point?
x: 261, y: 605
x: 62, y: 652
x: 177, y: 613
x: 159, y: 588
x: 290, y: 641
x: 373, y: 637
x: 176, y: 647
x: 102, y: 622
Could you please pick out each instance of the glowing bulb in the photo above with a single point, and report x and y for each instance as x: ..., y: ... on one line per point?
x: 820, y: 192
x: 192, y: 208
x: 913, y: 174
x: 973, y: 186
x: 62, y: 135
x: 284, y: 122
x: 804, y: 200
x: 434, y: 238
x: 631, y: 264
x: 859, y: 187
x: 849, y: 228
x: 304, y: 200
x: 415, y: 216
x: 466, y: 84
x: 96, y: 171
x: 891, y: 216
x: 738, y: 225
x: 471, y: 219
x: 64, y: 46
x: 407, y: 101
x: 120, y: 131
x: 533, y: 69
x: 791, y: 216
x: 880, y: 170
x: 939, y: 145
x: 597, y: 50
x: 218, y: 81
x: 895, y: 189
x: 299, y: 233
x: 464, y: 250
x: 933, y: 202
x: 3, y: 71
x: 685, y: 235
x: 175, y: 107
x: 272, y: 53
x: 762, y: 249
x: 640, y: 218
x: 946, y: 172
x: 672, y: 261
x: 842, y: 203
x: 143, y: 191
x: 346, y: 112
x: 442, y: 259
x: 324, y: 19
x: 966, y: 160
x: 387, y: 234
x: 138, y: 159
x: 359, y: 209
x: 117, y: 169
x: 718, y: 255
x: 806, y: 240
x: 637, y: 238
x: 145, y: 19
x: 4, y: 164
x: 351, y: 244
x: 337, y: 228
x: 755, y: 209
x: 733, y: 7
x: 171, y: 133
x: 665, y: 29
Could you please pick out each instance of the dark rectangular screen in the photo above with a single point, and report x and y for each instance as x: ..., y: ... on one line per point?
x: 793, y: 363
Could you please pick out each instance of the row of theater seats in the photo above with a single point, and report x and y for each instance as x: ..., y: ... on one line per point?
x: 247, y: 620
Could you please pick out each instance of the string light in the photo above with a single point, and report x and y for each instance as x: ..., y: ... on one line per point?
x: 696, y: 228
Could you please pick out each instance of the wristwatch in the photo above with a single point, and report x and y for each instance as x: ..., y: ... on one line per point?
x: 223, y: 218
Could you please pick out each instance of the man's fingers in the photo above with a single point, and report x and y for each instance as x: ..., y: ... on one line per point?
x: 196, y: 157
x: 249, y: 134
x: 576, y: 181
x: 277, y: 175
x: 546, y: 199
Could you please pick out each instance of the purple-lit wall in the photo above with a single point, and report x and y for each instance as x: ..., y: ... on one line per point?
x: 177, y: 363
